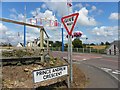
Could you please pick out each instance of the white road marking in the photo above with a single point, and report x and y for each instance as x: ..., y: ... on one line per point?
x: 106, y: 69
x: 112, y: 72
x: 116, y: 72
x: 84, y: 59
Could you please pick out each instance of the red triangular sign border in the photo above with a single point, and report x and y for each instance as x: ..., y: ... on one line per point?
x: 62, y: 19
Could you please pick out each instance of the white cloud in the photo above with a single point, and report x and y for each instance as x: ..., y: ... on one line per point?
x: 84, y: 36
x: 87, y: 5
x: 13, y: 10
x: 35, y: 12
x: 103, y: 34
x: 47, y: 14
x: 100, y: 11
x: 15, y: 15
x: 10, y: 36
x: 79, y: 5
x: 6, y: 35
x: 3, y: 29
x: 60, y: 8
x: 105, y: 31
x: 55, y: 35
x: 93, y: 8
x: 84, y: 19
x: 114, y: 16
x: 44, y: 6
x: 21, y: 17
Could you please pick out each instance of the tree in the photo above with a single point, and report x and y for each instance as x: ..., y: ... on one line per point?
x: 50, y: 42
x: 107, y: 43
x: 77, y: 43
x: 92, y: 44
x: 66, y: 45
x: 102, y: 43
x: 57, y: 44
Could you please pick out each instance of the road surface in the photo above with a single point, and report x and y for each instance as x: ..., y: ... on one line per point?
x: 102, y: 70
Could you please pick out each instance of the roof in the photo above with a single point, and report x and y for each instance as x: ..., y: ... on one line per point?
x: 117, y: 43
x: 19, y: 45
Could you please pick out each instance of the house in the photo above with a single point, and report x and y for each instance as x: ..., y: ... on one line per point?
x: 19, y: 45
x: 114, y: 48
x: 35, y: 43
x: 30, y: 44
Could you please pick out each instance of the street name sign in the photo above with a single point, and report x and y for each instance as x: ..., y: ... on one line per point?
x: 50, y: 73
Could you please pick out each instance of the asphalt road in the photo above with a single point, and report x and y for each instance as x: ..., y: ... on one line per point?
x: 97, y: 78
x: 102, y: 70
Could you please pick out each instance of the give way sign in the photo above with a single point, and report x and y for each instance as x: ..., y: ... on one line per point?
x: 69, y: 22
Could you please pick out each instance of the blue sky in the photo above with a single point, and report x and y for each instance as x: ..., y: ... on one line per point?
x: 98, y: 21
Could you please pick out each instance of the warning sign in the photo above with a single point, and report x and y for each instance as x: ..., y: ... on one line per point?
x: 69, y: 22
x: 45, y: 74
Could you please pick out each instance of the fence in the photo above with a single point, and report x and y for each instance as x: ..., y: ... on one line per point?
x: 81, y: 50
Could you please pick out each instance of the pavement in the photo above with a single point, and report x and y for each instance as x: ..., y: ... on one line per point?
x: 97, y: 78
x: 101, y: 70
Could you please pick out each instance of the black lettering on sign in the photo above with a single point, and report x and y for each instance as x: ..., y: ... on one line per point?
x: 70, y: 23
x: 45, y: 77
x: 43, y: 72
x: 69, y: 19
x: 38, y: 73
x: 57, y: 69
x: 52, y: 75
x: 64, y: 68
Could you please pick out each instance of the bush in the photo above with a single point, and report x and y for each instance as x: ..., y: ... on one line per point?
x: 7, y: 54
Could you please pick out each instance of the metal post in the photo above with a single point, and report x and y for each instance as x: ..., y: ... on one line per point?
x: 77, y: 49
x: 62, y: 40
x: 24, y: 35
x: 83, y: 50
x: 25, y: 27
x: 70, y: 58
x: 42, y: 44
x: 90, y: 50
x: 48, y: 45
x: 71, y: 71
x: 69, y: 49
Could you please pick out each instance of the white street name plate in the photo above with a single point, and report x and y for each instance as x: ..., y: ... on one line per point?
x: 50, y: 73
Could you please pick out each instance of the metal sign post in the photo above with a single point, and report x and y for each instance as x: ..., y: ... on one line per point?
x: 69, y: 23
x: 62, y: 40
x: 70, y: 58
